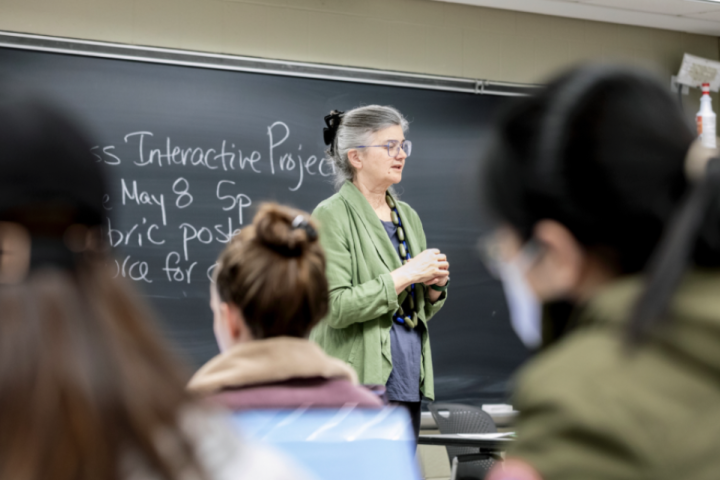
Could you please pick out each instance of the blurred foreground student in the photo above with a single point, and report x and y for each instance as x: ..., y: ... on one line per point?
x: 606, y: 205
x: 270, y: 290
x: 87, y: 390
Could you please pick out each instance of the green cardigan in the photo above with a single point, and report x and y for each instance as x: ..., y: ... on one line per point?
x: 360, y: 257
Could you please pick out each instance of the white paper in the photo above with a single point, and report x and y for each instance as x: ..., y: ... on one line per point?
x: 695, y: 71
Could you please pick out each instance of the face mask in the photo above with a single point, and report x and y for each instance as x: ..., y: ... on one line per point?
x: 525, y: 308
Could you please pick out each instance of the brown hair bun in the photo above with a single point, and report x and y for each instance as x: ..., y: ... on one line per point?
x: 283, y: 229
x: 274, y: 272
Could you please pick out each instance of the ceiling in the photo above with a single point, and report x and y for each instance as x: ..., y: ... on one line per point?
x: 694, y: 16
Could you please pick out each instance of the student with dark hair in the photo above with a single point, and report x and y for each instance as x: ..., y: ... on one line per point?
x: 608, y: 249
x: 270, y: 290
x: 87, y: 389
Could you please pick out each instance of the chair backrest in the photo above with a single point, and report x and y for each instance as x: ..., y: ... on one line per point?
x: 458, y: 418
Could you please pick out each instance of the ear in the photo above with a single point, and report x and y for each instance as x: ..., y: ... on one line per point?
x: 354, y: 159
x: 559, y: 270
x: 235, y: 323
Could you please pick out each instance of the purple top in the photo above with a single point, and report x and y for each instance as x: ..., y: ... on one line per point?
x: 316, y: 392
x: 406, y: 347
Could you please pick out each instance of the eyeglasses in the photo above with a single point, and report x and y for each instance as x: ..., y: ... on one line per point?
x: 393, y: 147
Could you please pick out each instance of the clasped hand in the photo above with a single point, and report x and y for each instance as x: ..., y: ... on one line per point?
x: 430, y: 267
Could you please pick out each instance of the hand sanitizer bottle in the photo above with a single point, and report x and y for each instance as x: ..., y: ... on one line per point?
x: 706, y: 119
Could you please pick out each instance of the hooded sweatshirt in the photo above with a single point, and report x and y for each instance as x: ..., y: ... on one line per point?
x: 278, y: 373
x: 593, y: 408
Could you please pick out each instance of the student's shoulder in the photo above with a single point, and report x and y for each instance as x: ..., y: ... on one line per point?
x: 579, y: 386
x: 342, y: 391
x: 570, y: 370
x: 573, y: 398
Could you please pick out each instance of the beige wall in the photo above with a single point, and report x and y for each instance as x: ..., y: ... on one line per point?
x: 410, y: 35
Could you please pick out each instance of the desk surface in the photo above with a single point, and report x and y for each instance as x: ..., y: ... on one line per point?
x: 455, y: 440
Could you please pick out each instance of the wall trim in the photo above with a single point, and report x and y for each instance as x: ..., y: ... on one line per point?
x: 238, y: 63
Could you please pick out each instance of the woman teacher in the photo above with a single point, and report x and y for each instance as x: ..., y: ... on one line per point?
x: 384, y: 283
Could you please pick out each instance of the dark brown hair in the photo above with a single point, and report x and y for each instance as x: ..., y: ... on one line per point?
x: 87, y: 390
x: 275, y: 273
x: 85, y: 382
x: 603, y: 151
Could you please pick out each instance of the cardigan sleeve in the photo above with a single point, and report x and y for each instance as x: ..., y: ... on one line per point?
x: 350, y: 303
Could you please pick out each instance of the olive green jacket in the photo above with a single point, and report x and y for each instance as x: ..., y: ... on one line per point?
x: 360, y: 257
x: 591, y: 409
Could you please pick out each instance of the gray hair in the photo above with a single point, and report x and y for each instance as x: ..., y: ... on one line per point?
x: 356, y: 128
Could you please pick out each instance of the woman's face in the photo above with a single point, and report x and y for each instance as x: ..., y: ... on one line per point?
x: 377, y: 167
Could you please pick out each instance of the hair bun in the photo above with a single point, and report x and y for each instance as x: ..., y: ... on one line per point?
x: 286, y: 230
x: 330, y: 132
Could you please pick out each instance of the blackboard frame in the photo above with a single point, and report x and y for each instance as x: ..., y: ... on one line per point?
x: 266, y: 66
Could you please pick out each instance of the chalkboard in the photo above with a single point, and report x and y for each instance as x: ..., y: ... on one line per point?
x: 193, y: 151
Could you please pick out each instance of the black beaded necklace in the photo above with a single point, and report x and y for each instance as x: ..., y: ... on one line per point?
x: 407, y: 313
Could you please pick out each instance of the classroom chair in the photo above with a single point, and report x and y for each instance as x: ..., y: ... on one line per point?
x: 467, y: 464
